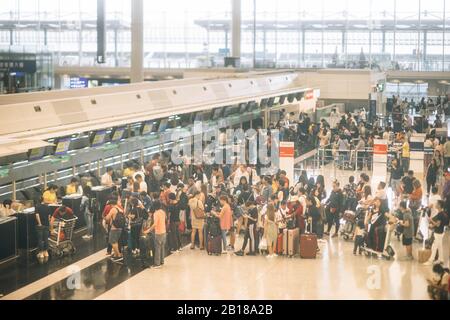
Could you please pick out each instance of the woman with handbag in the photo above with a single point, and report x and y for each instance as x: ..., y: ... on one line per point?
x: 197, y: 219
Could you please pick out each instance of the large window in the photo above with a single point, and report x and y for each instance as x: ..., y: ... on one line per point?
x: 405, y: 34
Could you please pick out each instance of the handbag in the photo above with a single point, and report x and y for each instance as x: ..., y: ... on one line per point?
x: 263, y: 244
x: 199, y: 213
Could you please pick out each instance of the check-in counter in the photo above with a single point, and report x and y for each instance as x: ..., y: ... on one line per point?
x: 74, y: 202
x: 8, y: 239
x: 26, y: 222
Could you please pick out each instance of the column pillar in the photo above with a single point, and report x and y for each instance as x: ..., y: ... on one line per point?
x: 137, y: 41
x: 236, y: 29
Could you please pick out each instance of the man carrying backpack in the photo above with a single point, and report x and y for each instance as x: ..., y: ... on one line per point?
x: 334, y: 208
x: 116, y: 219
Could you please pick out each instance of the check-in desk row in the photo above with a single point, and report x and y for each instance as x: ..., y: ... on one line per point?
x: 18, y: 232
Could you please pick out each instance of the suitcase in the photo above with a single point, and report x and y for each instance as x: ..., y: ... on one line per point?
x: 308, y: 245
x: 279, y: 245
x: 214, y: 245
x: 424, y: 255
x: 291, y: 241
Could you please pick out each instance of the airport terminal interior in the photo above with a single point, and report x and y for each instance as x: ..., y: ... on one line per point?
x: 224, y: 150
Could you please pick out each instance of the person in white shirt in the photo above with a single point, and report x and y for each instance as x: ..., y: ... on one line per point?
x: 335, y: 117
x: 142, y: 183
x: 107, y: 180
x: 434, y: 198
x: 280, y: 216
x: 239, y: 173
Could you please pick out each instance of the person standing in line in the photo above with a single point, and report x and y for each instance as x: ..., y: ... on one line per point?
x: 438, y: 224
x: 334, y: 208
x: 197, y: 224
x: 159, y: 226
x: 270, y: 230
x: 447, y: 154
x: 173, y: 210
x: 407, y: 223
x: 86, y: 207
x: 42, y: 230
x: 225, y: 216
x: 431, y: 176
x: 405, y: 155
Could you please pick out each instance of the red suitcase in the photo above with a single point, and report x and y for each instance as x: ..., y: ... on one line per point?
x: 214, y: 245
x: 279, y: 244
x: 308, y: 245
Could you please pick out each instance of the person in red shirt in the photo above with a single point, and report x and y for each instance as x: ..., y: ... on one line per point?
x: 62, y: 212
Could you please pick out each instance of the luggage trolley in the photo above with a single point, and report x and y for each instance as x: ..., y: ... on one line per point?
x: 60, y: 242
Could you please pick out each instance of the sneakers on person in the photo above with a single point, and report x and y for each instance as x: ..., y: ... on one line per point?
x: 157, y: 267
x: 251, y: 254
x: 40, y: 255
x: 269, y: 256
x: 239, y: 253
x: 224, y: 251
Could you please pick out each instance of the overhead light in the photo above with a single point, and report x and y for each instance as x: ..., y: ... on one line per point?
x: 419, y: 81
x: 395, y: 81
x: 443, y: 82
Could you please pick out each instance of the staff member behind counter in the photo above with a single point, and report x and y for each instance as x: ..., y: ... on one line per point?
x: 6, y: 209
x: 74, y: 187
x: 49, y: 196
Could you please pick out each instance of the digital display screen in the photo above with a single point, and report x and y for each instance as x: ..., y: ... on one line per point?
x: 99, y: 138
x: 217, y: 113
x: 242, y: 107
x: 62, y: 146
x: 36, y: 153
x: 147, y: 128
x: 163, y: 125
x: 117, y: 134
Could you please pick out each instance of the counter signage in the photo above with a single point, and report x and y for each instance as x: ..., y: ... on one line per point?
x: 27, y: 66
x: 78, y: 83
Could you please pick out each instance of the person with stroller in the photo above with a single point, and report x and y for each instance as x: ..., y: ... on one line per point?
x: 376, y: 224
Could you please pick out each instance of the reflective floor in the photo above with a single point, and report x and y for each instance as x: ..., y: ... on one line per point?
x: 335, y: 274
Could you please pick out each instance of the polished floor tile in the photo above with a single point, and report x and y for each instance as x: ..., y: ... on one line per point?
x: 335, y: 274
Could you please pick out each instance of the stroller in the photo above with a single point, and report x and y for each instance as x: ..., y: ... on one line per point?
x: 349, y: 222
x: 60, y: 242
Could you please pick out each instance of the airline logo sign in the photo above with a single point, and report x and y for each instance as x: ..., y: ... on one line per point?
x: 286, y: 150
x: 309, y: 95
x: 380, y: 147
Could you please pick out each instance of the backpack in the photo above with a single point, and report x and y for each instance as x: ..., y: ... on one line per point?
x: 158, y: 173
x: 119, y: 220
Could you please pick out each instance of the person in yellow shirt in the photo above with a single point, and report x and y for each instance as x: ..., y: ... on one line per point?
x: 405, y: 155
x: 49, y: 196
x: 73, y: 187
x: 128, y: 171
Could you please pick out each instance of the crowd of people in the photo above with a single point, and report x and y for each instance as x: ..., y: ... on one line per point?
x: 157, y: 206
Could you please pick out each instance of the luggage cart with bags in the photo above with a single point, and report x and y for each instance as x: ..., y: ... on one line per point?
x: 60, y: 240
